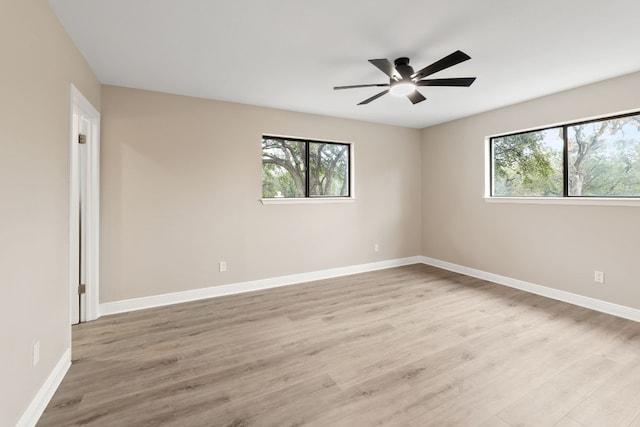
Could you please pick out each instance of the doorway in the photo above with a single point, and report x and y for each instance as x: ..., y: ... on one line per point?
x: 84, y: 209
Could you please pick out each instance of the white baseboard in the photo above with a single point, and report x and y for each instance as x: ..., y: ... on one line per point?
x: 256, y: 285
x: 571, y: 298
x: 46, y: 392
x: 43, y: 397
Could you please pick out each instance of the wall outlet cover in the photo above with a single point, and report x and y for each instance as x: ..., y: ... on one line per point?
x: 598, y: 276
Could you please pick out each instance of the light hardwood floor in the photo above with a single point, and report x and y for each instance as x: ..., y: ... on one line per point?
x: 409, y: 346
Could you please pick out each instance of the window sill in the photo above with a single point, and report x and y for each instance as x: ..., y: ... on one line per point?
x: 585, y: 201
x: 307, y: 200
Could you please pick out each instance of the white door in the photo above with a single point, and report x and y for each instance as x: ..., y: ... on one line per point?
x: 78, y: 233
x: 84, y: 199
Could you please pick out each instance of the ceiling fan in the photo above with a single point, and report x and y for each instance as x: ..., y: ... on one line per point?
x: 403, y: 81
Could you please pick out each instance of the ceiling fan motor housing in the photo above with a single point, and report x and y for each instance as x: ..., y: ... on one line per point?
x: 404, y: 69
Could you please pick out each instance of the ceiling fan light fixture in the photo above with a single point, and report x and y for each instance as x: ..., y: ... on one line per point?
x: 402, y: 88
x: 403, y: 81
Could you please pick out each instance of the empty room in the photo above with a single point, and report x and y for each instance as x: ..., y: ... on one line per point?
x: 288, y: 213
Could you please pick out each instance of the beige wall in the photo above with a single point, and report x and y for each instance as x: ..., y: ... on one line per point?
x: 181, y: 183
x: 549, y: 245
x: 39, y: 62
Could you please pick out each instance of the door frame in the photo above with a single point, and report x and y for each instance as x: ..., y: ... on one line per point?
x: 81, y: 107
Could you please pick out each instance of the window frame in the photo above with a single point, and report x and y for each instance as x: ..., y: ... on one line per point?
x: 309, y: 199
x: 566, y: 198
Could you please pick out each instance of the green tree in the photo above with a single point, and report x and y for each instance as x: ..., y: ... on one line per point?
x: 284, y: 168
x: 328, y: 166
x: 525, y: 166
x: 602, y: 160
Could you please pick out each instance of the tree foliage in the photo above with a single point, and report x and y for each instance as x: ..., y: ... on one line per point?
x: 328, y: 169
x: 285, y: 167
x: 603, y: 159
x: 525, y: 166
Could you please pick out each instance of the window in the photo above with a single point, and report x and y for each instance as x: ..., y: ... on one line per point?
x: 298, y: 168
x: 528, y: 164
x: 597, y: 158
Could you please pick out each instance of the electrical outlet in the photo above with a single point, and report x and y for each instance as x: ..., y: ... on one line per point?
x: 598, y: 276
x: 36, y: 353
x: 376, y: 247
x: 223, y: 266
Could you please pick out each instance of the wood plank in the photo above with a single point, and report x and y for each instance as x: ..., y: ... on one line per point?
x: 567, y: 422
x: 495, y: 421
x: 614, y: 403
x: 560, y: 394
x: 413, y: 346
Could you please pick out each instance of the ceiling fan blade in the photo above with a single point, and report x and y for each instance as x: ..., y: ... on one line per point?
x: 459, y: 82
x: 416, y: 97
x: 386, y: 67
x: 374, y: 97
x: 448, y: 61
x: 356, y: 86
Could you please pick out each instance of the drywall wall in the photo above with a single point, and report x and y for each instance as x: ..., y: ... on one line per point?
x: 558, y: 246
x: 181, y: 187
x: 39, y: 62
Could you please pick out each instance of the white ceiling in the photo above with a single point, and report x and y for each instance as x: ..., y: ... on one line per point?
x: 288, y: 54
